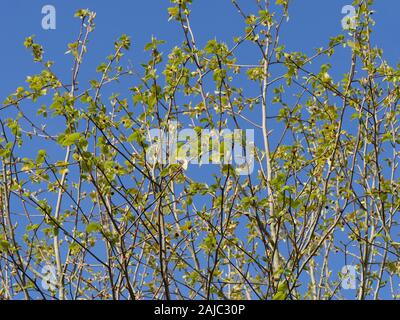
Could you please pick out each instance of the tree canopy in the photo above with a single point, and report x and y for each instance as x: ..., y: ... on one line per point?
x: 86, y: 214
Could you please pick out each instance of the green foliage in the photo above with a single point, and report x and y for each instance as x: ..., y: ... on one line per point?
x: 82, y: 193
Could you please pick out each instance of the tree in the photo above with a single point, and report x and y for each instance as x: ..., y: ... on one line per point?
x: 97, y: 212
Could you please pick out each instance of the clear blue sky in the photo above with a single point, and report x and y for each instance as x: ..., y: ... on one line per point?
x: 311, y: 24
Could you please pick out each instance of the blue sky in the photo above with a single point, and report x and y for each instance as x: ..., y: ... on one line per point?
x: 311, y: 24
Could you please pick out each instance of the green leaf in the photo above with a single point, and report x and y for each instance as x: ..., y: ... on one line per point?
x: 70, y: 139
x: 41, y: 156
x: 93, y: 227
x: 282, y: 292
x: 4, y: 245
x: 173, y: 11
